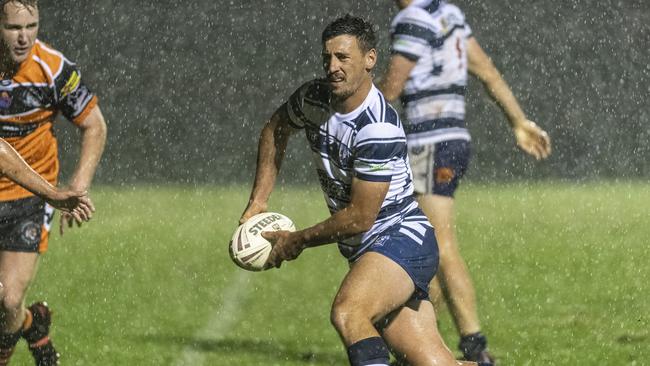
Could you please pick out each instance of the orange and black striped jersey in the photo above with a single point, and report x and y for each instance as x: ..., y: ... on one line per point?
x: 45, y: 84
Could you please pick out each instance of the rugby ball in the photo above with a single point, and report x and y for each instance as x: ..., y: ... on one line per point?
x: 248, y: 249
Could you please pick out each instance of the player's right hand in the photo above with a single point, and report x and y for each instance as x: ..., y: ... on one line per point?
x: 252, y: 209
x: 76, y: 207
x: 532, y: 139
x: 286, y: 247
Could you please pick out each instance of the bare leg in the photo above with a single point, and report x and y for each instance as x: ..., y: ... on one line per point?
x: 436, y: 295
x: 453, y: 276
x: 17, y: 269
x: 410, y: 334
x: 374, y: 287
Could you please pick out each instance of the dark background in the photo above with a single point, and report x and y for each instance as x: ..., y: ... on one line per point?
x: 186, y: 86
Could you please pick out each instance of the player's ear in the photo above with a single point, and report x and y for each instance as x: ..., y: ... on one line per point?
x: 371, y: 59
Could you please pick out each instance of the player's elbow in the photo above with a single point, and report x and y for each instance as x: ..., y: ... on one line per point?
x: 95, y: 124
x: 5, y: 155
x: 364, y: 226
x: 5, y: 150
x: 100, y: 126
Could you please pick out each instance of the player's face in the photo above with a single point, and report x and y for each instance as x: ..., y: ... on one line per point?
x: 19, y: 27
x: 346, y: 65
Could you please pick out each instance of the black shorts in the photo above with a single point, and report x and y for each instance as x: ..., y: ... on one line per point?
x: 24, y: 225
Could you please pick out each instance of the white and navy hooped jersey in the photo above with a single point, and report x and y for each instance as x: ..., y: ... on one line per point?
x: 433, y: 33
x: 368, y: 143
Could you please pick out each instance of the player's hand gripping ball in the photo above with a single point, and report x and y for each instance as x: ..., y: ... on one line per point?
x: 248, y: 249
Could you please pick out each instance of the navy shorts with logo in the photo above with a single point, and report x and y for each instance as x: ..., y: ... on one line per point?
x: 414, y: 247
x: 24, y: 224
x: 437, y: 169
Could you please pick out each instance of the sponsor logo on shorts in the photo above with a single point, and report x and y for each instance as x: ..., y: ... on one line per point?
x: 30, y: 232
x: 381, y: 240
x: 444, y: 175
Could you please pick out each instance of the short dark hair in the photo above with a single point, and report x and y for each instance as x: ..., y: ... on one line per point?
x: 354, y: 26
x: 25, y: 3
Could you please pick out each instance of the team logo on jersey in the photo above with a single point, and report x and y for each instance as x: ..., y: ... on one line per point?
x: 444, y: 24
x: 344, y: 154
x: 29, y: 99
x: 401, y: 42
x: 332, y: 188
x: 378, y: 167
x: 5, y: 100
x: 373, y: 167
x: 71, y: 85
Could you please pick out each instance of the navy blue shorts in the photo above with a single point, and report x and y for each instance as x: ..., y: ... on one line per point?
x: 437, y: 169
x: 414, y: 247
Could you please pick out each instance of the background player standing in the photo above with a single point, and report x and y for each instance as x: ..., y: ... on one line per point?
x: 36, y: 83
x: 432, y: 50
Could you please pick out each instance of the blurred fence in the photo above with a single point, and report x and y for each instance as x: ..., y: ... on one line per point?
x: 186, y: 86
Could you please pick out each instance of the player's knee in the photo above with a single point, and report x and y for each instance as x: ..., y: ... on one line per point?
x: 11, y: 301
x: 338, y: 316
x: 346, y: 315
x: 342, y: 315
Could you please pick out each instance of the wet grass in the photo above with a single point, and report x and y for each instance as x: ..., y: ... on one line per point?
x: 561, y: 273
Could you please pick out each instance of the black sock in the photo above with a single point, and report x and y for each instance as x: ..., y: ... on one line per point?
x: 9, y: 340
x: 473, y: 344
x: 369, y: 351
x: 33, y: 334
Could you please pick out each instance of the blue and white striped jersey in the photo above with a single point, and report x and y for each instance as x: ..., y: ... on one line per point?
x: 368, y: 143
x: 433, y: 33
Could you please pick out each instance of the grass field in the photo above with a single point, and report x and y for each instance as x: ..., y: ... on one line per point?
x: 562, y: 274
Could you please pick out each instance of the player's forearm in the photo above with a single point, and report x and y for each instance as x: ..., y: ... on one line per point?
x: 502, y: 94
x: 342, y: 225
x: 480, y: 65
x: 15, y: 168
x: 270, y: 154
x: 93, y: 140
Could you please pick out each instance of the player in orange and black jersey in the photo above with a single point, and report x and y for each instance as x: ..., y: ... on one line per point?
x: 36, y: 84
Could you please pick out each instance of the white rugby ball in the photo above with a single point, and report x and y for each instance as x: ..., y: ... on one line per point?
x: 248, y: 249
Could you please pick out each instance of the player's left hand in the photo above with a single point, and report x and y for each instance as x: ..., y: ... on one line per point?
x: 285, y: 247
x: 532, y: 139
x: 253, y: 208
